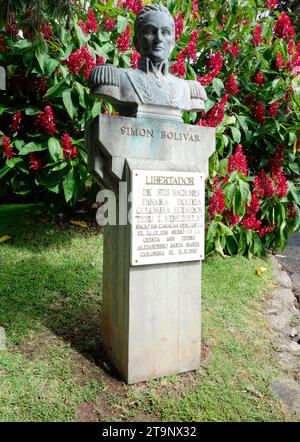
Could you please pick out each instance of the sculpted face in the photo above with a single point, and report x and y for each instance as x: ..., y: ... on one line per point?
x: 156, y: 38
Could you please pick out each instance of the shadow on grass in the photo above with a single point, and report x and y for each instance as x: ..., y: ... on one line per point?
x: 51, y: 278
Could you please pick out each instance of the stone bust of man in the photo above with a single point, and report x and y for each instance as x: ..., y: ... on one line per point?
x: 150, y: 89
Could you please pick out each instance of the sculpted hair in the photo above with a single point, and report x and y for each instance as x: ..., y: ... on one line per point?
x: 146, y: 10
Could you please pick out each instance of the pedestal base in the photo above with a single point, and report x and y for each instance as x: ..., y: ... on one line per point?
x: 151, y: 314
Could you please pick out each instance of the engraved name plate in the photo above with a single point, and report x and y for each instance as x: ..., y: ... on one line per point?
x: 167, y: 217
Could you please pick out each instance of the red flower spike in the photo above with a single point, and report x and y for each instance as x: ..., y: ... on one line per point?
x: 283, y: 27
x: 273, y: 109
x: 16, y: 122
x: 123, y: 41
x: 91, y: 23
x: 259, y: 79
x: 231, y: 86
x: 260, y: 113
x: 45, y: 121
x: 257, y: 35
x: 271, y: 4
x: 178, y: 68
x: 8, y: 152
x: 46, y: 30
x: 34, y: 162
x: 238, y: 162
x: 216, y: 203
x: 134, y: 59
x: 279, y: 61
x: 178, y: 25
x: 69, y: 151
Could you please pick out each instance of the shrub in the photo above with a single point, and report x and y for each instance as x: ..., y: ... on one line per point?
x: 244, y: 52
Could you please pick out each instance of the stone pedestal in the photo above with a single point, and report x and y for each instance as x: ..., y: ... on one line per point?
x: 151, y: 313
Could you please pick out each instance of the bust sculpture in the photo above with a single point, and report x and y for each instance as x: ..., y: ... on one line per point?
x: 150, y: 89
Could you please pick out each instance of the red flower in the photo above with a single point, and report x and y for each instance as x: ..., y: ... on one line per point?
x: 235, y: 48
x: 11, y: 26
x: 291, y: 45
x: 46, y: 30
x: 259, y: 79
x: 190, y: 49
x: 279, y: 181
x: 45, y: 121
x: 81, y: 58
x: 75, y: 61
x: 273, y: 109
x: 100, y: 59
x: 291, y: 210
x: 238, y: 162
x: 279, y: 61
x: 8, y: 152
x: 271, y: 4
x: 123, y: 41
x: 233, y: 219
x: 216, y: 203
x: 283, y: 27
x: 134, y: 59
x: 231, y: 85
x: 256, y: 35
x: 249, y: 221
x: 89, y: 62
x: 195, y: 9
x: 16, y: 122
x: 178, y: 68
x: 34, y: 162
x: 260, y: 113
x: 215, y: 64
x: 91, y: 23
x: 178, y: 25
x: 216, y: 114
x: 41, y: 85
x: 108, y: 23
x: 133, y: 5
x: 69, y: 151
x: 84, y: 27
x: 263, y: 184
x: 264, y: 230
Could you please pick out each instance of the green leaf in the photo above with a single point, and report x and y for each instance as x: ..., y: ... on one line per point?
x: 96, y: 109
x: 236, y: 134
x: 13, y: 161
x: 4, y: 171
x: 68, y: 102
x: 122, y: 23
x: 22, y: 44
x: 55, y: 149
x: 218, y: 86
x: 80, y: 90
x: 31, y: 147
x: 211, y: 231
x: 69, y: 185
x: 31, y: 110
x: 42, y: 58
x: 2, y: 108
x: 56, y: 90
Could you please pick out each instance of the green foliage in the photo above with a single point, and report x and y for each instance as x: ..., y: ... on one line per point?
x: 52, y: 71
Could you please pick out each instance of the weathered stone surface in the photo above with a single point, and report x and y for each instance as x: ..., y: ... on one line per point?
x: 111, y: 140
x: 2, y: 79
x: 289, y: 392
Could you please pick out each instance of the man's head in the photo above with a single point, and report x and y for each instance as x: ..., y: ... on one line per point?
x: 154, y: 33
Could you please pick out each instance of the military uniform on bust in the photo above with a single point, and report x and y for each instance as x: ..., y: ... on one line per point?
x: 150, y: 89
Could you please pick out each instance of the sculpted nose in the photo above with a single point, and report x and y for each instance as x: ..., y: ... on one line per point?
x: 158, y: 36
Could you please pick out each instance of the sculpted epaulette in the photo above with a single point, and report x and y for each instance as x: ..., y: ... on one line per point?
x: 104, y: 74
x: 197, y: 91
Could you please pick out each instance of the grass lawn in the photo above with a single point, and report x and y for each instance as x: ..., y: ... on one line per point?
x: 54, y: 369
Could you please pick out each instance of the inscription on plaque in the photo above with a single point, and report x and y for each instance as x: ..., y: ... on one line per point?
x: 167, y: 217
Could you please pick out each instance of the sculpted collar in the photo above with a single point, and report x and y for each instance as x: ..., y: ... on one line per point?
x: 146, y: 65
